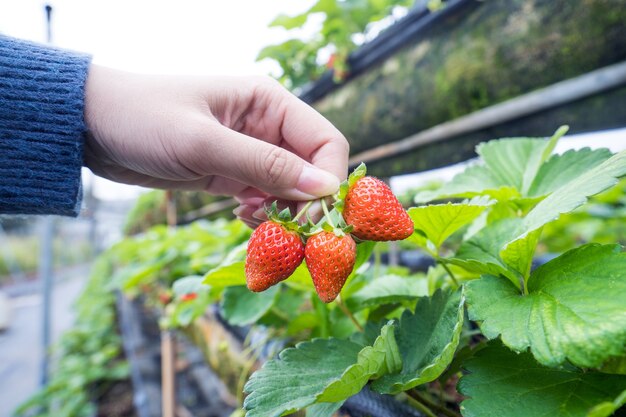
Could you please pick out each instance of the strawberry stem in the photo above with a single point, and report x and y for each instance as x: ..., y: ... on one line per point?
x: 305, y: 209
x: 349, y: 314
x: 326, y: 213
x: 450, y: 274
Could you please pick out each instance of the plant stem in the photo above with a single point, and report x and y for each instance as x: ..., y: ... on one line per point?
x: 418, y: 405
x: 304, y: 210
x: 349, y: 314
x: 416, y: 395
x: 326, y: 213
x: 449, y: 272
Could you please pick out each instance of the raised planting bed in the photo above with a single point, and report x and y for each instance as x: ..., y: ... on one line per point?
x: 432, y: 68
x: 469, y: 336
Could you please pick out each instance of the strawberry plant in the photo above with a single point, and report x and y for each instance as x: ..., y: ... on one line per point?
x: 553, y: 337
x: 481, y: 333
x: 346, y: 24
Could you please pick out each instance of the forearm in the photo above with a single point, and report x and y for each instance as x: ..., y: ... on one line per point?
x: 41, y: 128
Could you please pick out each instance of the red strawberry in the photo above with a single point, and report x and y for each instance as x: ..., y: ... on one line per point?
x: 330, y: 259
x: 189, y: 297
x: 274, y: 252
x: 374, y: 212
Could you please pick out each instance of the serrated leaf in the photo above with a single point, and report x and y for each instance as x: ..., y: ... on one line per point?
x: 518, y: 254
x: 503, y: 383
x: 574, y: 309
x: 474, y: 180
x: 513, y: 162
x: 372, y: 361
x: 437, y: 222
x: 240, y: 306
x: 575, y: 193
x: 561, y: 169
x: 481, y: 253
x: 427, y: 340
x: 307, y: 373
x: 506, y: 171
x: 386, y: 290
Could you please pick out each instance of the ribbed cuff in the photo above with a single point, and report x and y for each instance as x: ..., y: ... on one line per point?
x: 41, y: 128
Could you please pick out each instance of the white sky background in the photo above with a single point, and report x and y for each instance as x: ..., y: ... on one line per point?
x: 157, y: 36
x: 186, y: 37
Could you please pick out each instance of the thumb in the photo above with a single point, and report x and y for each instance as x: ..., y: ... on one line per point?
x: 269, y: 168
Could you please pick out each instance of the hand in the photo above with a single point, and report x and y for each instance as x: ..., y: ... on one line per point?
x: 242, y: 136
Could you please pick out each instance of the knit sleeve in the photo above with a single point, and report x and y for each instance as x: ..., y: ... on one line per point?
x: 41, y: 128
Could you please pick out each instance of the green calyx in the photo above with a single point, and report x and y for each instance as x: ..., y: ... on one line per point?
x: 282, y: 217
x: 358, y: 173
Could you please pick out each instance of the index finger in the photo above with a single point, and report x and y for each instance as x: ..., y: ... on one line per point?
x: 313, y: 137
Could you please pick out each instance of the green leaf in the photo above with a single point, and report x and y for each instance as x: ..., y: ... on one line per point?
x: 387, y: 290
x: 574, y: 309
x: 503, y: 383
x: 241, y: 306
x: 438, y: 222
x: 427, y: 340
x: 473, y: 181
x: 226, y: 275
x: 575, y: 193
x: 481, y: 253
x: 289, y: 22
x: 561, y: 169
x: 188, y: 285
x: 607, y: 408
x: 507, y: 169
x: 513, y: 162
x: 615, y: 365
x: 301, y: 279
x: 518, y: 254
x: 372, y: 361
x: 326, y: 370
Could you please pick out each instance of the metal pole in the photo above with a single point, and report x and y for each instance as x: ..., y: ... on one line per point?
x: 45, y: 277
x: 45, y: 262
x: 168, y: 339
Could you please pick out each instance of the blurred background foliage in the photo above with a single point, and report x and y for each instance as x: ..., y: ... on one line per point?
x: 344, y: 26
x: 150, y: 209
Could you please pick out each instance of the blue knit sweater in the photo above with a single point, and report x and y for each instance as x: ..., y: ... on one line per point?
x: 41, y: 128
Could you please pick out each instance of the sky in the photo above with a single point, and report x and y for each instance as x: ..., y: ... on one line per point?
x: 183, y: 37
x: 199, y: 37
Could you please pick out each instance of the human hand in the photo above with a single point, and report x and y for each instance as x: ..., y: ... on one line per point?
x: 247, y: 137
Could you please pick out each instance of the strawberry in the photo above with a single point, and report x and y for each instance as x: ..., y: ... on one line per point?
x: 189, y: 297
x: 330, y: 259
x: 370, y: 207
x: 275, y: 250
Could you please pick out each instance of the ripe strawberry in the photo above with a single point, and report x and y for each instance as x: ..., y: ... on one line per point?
x: 370, y: 207
x: 330, y: 259
x: 274, y: 252
x: 189, y: 297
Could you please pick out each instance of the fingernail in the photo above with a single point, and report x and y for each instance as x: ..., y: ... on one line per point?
x: 237, y: 211
x: 317, y: 182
